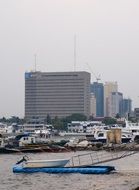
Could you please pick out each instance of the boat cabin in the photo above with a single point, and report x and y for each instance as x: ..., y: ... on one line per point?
x: 25, y: 139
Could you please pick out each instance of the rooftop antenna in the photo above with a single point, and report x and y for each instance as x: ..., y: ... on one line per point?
x: 35, y: 61
x: 74, y: 53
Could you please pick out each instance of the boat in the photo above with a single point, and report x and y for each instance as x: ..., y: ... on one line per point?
x: 132, y: 128
x: 58, y: 166
x: 81, y: 128
x: 45, y: 163
x: 5, y: 129
x: 101, y: 135
x: 95, y: 131
x: 78, y: 164
x: 5, y: 150
x: 29, y: 163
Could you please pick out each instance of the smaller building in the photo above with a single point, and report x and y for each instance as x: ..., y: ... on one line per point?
x: 37, y: 128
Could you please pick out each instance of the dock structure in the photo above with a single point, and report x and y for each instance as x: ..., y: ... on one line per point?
x: 81, y: 170
x: 98, y: 157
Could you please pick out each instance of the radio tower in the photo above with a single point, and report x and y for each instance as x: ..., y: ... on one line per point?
x: 74, y: 53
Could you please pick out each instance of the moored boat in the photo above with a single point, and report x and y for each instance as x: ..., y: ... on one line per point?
x: 45, y: 163
x: 58, y: 166
x: 28, y: 163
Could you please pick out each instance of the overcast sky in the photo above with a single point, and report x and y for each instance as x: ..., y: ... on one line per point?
x: 107, y: 38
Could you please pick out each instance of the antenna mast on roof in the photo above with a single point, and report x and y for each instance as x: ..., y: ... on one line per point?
x: 74, y: 53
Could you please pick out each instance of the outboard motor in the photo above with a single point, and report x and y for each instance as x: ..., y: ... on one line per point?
x: 24, y: 159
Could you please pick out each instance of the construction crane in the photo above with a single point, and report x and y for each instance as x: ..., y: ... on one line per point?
x: 96, y: 77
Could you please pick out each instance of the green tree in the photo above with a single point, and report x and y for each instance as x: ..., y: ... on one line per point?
x: 91, y: 117
x: 57, y: 123
x: 14, y: 119
x: 76, y: 117
x: 73, y: 117
x: 3, y: 120
x: 117, y: 116
x: 109, y: 121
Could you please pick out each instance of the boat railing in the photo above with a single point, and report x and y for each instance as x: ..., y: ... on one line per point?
x: 94, y: 158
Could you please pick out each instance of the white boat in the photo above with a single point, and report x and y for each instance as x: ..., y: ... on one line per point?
x: 101, y: 135
x: 4, y: 128
x: 63, y: 134
x: 132, y: 127
x: 28, y: 163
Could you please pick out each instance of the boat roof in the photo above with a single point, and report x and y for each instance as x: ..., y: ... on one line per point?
x: 22, y: 135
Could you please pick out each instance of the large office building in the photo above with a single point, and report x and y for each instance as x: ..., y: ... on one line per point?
x: 57, y: 94
x: 98, y: 90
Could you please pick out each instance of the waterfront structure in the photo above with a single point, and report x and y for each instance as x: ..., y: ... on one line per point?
x: 98, y: 90
x: 116, y: 103
x: 57, y: 94
x: 109, y: 87
x: 83, y: 126
x: 93, y: 105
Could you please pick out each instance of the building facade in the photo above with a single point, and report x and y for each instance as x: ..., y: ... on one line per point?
x: 116, y: 103
x: 109, y: 87
x: 136, y: 113
x: 98, y: 90
x: 126, y: 107
x: 57, y: 94
x: 93, y: 105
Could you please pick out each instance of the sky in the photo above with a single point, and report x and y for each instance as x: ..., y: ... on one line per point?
x: 107, y: 44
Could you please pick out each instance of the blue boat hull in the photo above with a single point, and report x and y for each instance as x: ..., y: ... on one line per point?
x: 82, y: 170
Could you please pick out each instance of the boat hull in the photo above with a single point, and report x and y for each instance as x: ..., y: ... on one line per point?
x: 45, y: 163
x: 104, y: 140
x: 82, y: 170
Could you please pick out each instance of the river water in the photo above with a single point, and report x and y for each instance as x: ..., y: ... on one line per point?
x: 126, y: 176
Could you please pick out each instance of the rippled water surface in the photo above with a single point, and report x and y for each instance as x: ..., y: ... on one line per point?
x: 126, y: 176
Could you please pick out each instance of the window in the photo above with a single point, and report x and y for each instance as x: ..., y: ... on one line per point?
x: 100, y: 135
